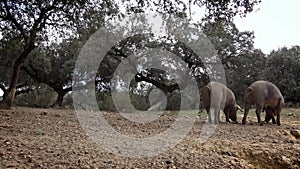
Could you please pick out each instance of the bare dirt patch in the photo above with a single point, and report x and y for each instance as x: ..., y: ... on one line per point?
x: 53, y: 138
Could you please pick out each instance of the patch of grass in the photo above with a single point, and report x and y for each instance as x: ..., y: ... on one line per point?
x: 290, y: 113
x: 173, y: 113
x: 285, y: 113
x: 251, y: 113
x: 191, y: 113
x: 39, y: 133
x: 202, y: 114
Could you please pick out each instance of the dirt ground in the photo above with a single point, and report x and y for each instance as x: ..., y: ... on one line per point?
x: 53, y: 138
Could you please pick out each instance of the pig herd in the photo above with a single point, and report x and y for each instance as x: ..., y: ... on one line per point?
x: 264, y: 95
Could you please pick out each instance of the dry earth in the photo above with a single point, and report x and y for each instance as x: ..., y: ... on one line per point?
x: 53, y: 138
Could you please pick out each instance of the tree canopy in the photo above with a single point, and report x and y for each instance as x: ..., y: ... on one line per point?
x: 34, y: 21
x: 35, y: 27
x: 282, y: 68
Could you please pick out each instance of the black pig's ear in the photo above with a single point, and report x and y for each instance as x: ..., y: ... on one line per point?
x: 249, y: 89
x: 204, y: 88
x: 208, y: 88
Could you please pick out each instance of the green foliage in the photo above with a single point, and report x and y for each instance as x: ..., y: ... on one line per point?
x: 9, y: 50
x: 249, y: 68
x: 243, y: 63
x: 283, y: 67
x: 33, y: 22
x: 68, y: 101
x: 53, y: 65
x: 174, y: 101
x: 140, y: 102
x: 43, y: 96
x: 181, y: 8
x: 39, y: 133
x: 105, y: 101
x: 36, y: 20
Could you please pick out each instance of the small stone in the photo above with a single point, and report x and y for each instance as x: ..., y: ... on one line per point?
x: 290, y: 114
x: 286, y: 160
x: 169, y: 162
x: 11, y: 165
x: 49, y: 151
x: 56, y: 115
x: 108, y: 161
x: 250, y: 166
x: 295, y: 133
x: 257, y: 152
x: 43, y: 113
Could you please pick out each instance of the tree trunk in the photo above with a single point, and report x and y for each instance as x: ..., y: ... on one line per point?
x: 9, y: 96
x: 61, y: 94
x: 60, y: 98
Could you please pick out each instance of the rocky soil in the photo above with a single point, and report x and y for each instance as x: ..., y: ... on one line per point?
x: 54, y: 138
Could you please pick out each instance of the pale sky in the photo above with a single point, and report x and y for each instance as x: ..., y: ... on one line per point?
x: 276, y: 24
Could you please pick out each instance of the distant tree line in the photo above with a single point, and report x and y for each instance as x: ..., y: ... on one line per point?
x: 38, y: 72
x: 48, y: 70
